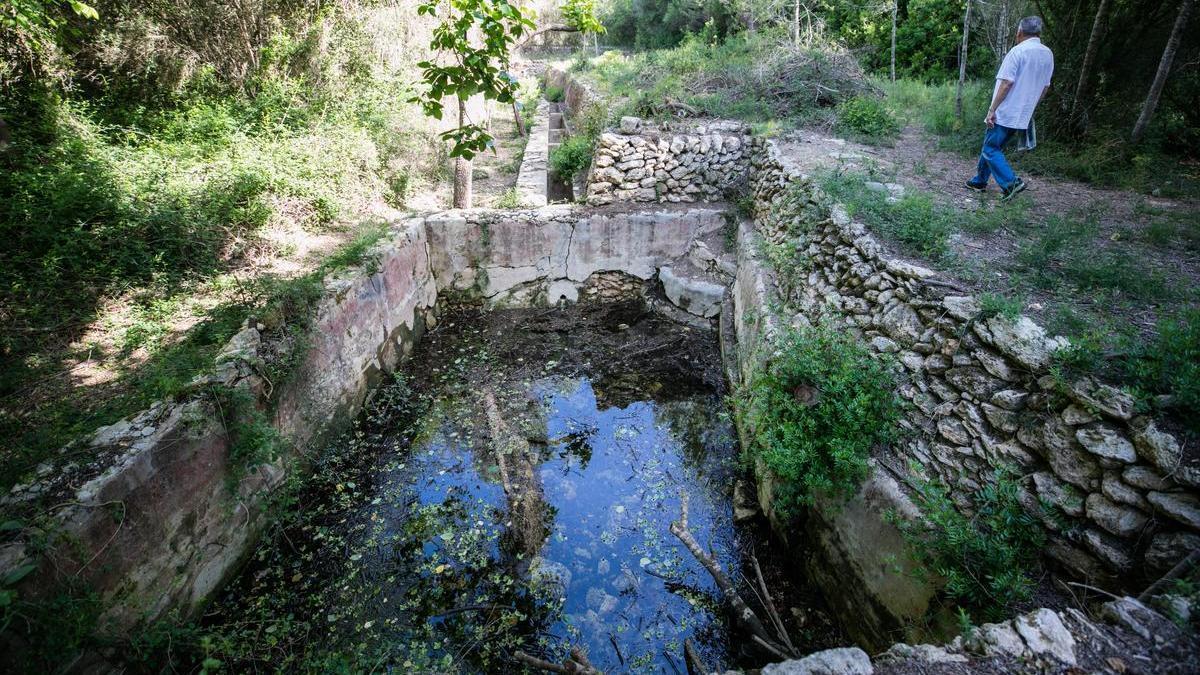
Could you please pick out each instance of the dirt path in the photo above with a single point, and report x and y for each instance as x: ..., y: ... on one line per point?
x: 1154, y: 238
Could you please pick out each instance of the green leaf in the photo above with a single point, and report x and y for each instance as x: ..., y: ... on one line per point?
x: 83, y: 9
x: 17, y: 574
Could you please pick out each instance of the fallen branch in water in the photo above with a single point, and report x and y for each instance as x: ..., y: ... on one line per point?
x: 577, y: 664
x: 691, y: 657
x: 745, y: 616
x: 775, y: 619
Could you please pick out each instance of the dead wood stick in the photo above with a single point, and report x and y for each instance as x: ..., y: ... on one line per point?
x: 691, y: 657
x: 745, y: 615
x: 576, y: 665
x: 762, y: 584
x: 774, y: 649
x: 539, y: 663
x: 1181, y: 569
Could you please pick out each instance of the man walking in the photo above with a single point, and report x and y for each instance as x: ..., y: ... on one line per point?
x: 1023, y: 78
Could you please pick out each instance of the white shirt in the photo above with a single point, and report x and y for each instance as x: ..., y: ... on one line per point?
x: 1028, y: 66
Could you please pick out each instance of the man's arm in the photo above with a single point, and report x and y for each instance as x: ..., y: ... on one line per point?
x: 1001, y: 93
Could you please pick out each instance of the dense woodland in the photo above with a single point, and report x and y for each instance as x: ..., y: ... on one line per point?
x: 159, y: 158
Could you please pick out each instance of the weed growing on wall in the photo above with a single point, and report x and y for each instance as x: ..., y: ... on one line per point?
x: 572, y: 157
x: 986, y: 560
x: 817, y: 409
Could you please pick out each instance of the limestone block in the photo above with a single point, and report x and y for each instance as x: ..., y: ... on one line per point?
x: 1056, y: 492
x: 840, y: 661
x: 1121, y: 520
x: 1045, y: 634
x: 1168, y: 548
x: 1069, y: 461
x: 1184, y: 508
x: 1115, y: 489
x: 697, y: 296
x: 1157, y: 447
x: 1021, y: 339
x: 1145, y: 478
x: 974, y: 381
x: 901, y: 323
x: 1075, y: 415
x: 1099, y: 396
x: 1105, y: 441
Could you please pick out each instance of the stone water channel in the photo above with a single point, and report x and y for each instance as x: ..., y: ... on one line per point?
x: 511, y: 489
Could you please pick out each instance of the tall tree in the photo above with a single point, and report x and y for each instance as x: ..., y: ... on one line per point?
x: 1164, y: 69
x: 962, y: 62
x: 895, y: 11
x: 477, y: 37
x: 1089, y: 60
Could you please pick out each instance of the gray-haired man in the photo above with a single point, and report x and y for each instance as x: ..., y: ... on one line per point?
x: 1022, y: 80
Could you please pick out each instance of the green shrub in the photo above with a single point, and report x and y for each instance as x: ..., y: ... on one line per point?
x: 986, y: 559
x: 1170, y: 364
x: 554, y: 94
x: 868, y: 116
x: 571, y: 158
x: 817, y: 409
x: 994, y: 304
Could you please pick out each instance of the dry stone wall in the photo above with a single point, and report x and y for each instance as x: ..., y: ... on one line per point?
x: 982, y: 395
x: 640, y: 162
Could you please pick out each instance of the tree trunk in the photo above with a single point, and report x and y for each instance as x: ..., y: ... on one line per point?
x: 1089, y: 60
x: 520, y: 121
x: 895, y: 10
x: 462, y: 168
x: 796, y: 23
x: 962, y: 62
x: 5, y: 138
x: 1164, y: 69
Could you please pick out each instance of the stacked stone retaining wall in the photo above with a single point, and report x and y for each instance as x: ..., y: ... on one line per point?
x: 982, y: 394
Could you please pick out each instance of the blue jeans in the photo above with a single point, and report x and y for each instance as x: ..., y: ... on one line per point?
x: 991, y: 158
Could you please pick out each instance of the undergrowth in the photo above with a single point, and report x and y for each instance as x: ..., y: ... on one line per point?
x: 987, y: 560
x: 817, y: 409
x: 754, y: 77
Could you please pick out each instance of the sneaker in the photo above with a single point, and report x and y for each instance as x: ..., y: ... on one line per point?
x: 1014, y: 190
x: 978, y: 187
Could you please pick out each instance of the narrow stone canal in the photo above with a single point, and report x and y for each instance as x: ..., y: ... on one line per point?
x: 512, y: 490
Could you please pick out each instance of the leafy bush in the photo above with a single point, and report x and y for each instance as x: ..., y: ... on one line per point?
x: 572, y: 157
x: 985, y: 559
x: 867, y: 115
x: 554, y: 94
x: 817, y: 409
x: 1170, y: 364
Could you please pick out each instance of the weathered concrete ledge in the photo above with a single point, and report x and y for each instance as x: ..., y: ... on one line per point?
x: 162, y: 516
x: 531, y: 178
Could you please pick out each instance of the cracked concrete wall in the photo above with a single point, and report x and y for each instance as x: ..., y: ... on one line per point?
x: 156, y: 521
x: 522, y: 257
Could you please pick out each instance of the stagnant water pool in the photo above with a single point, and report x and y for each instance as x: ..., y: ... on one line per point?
x: 510, y: 491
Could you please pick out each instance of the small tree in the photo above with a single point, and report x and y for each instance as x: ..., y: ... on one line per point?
x: 477, y: 36
x: 962, y: 63
x: 1164, y: 69
x: 1089, y: 59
